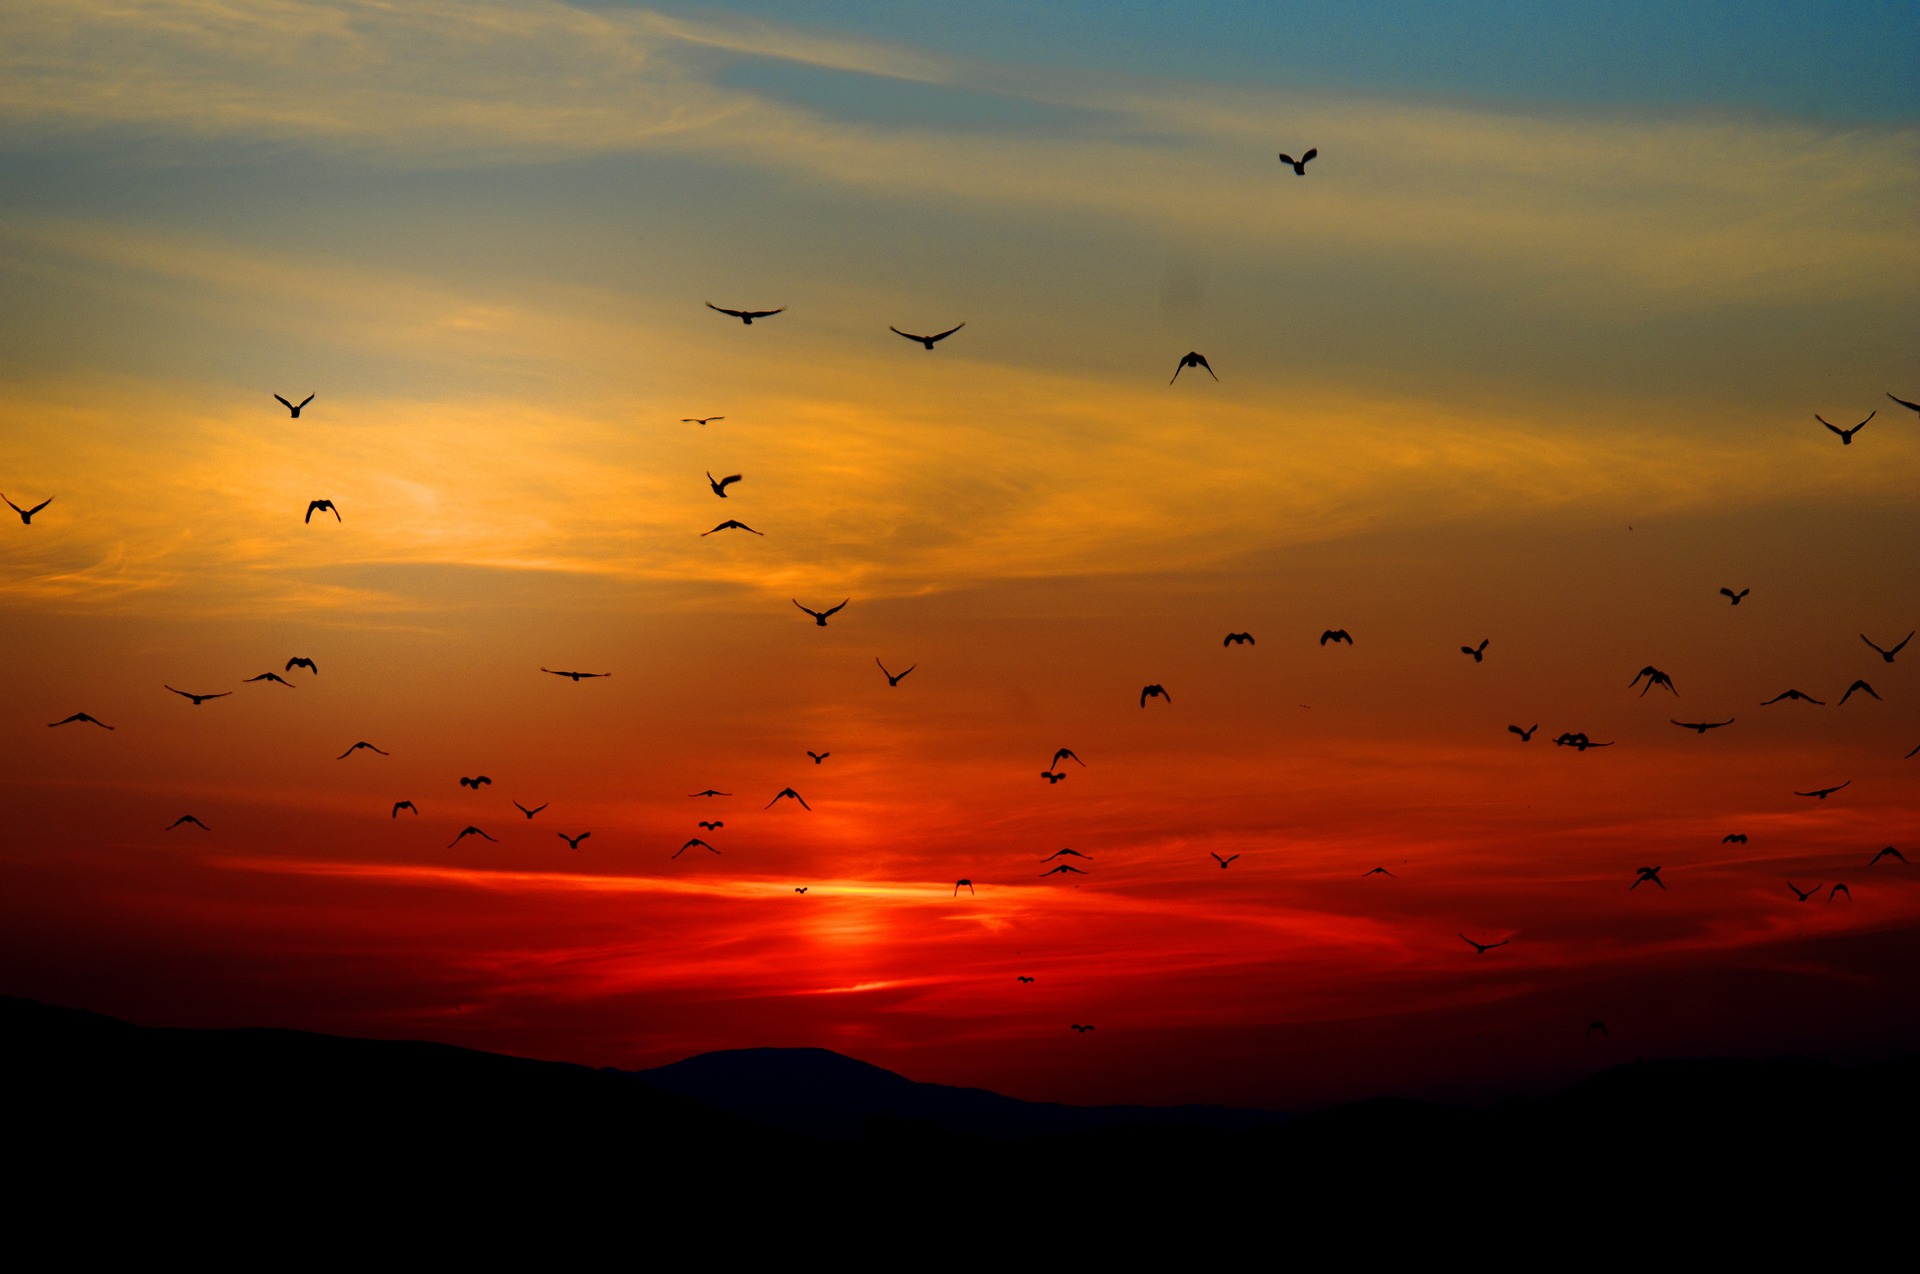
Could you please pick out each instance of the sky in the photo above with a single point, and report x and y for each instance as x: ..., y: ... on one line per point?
x: 1532, y: 354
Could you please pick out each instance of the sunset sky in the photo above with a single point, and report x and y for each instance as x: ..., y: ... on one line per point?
x: 1531, y: 354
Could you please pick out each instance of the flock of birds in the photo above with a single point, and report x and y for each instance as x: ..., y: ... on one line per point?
x: 1053, y: 773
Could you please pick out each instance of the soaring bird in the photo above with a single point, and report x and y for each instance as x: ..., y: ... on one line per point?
x: 1701, y: 727
x: 1071, y: 853
x: 1904, y: 403
x: 745, y: 316
x: 292, y: 408
x: 713, y: 826
x: 1735, y: 597
x: 691, y: 843
x: 466, y: 832
x: 1239, y: 639
x: 1155, y: 691
x: 800, y: 889
x: 1192, y: 359
x: 321, y: 506
x: 1734, y: 838
x: 1595, y: 1026
x: 531, y: 812
x: 820, y: 616
x: 1051, y: 777
x: 1066, y: 754
x: 1335, y: 634
x: 1377, y: 871
x: 962, y: 881
x: 1023, y: 978
x: 1578, y: 741
x: 926, y: 340
x: 271, y: 676
x: 187, y: 818
x: 1223, y: 861
x: 356, y: 747
x: 818, y: 757
x: 197, y: 699
x: 1075, y: 1026
x: 1299, y: 165
x: 1887, y: 654
x: 1478, y: 652
x: 893, y: 679
x: 787, y: 793
x: 700, y: 420
x: 477, y: 782
x: 575, y: 676
x: 1822, y: 793
x: 732, y: 525
x: 1846, y: 435
x: 1795, y: 694
x: 1858, y: 685
x: 404, y: 805
x: 1840, y: 887
x: 1654, y: 678
x: 1064, y: 867
x: 301, y: 661
x: 573, y: 842
x: 1481, y: 948
x: 709, y: 792
x: 720, y: 487
x: 1888, y: 852
x: 1526, y: 735
x: 26, y: 515
x: 1642, y: 875
x: 1804, y: 894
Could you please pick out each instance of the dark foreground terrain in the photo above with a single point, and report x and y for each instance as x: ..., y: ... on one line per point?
x: 219, y: 1141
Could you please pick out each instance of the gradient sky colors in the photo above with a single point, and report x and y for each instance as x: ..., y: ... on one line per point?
x: 1532, y: 354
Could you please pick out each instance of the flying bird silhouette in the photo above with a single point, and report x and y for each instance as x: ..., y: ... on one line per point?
x: 1299, y: 165
x: 575, y: 676
x: 714, y: 826
x: 1239, y: 639
x: 321, y: 506
x: 1804, y: 894
x: 1840, y: 887
x: 1795, y: 694
x: 962, y: 881
x: 404, y: 805
x: 1822, y: 793
x: 295, y: 410
x: 1478, y: 652
x: 1335, y: 634
x: 198, y: 699
x: 1735, y: 597
x: 1526, y: 735
x: 1155, y: 691
x: 691, y: 843
x: 787, y: 793
x: 1023, y: 978
x: 1888, y: 852
x: 1701, y: 727
x: 1377, y: 871
x: 356, y: 747
x: 1846, y: 435
x: 1064, y: 867
x: 720, y: 487
x: 477, y: 782
x: 926, y: 340
x: 272, y: 676
x: 1734, y: 838
x: 818, y: 757
x: 1908, y: 757
x: 1887, y: 654
x: 892, y: 678
x: 1066, y: 754
x: 1904, y: 403
x: 1654, y: 678
x: 709, y: 792
x: 1192, y: 359
x: 820, y: 616
x: 573, y: 842
x: 1074, y: 853
x: 732, y: 525
x: 26, y: 515
x: 1643, y: 875
x: 700, y: 420
x: 1578, y: 741
x: 301, y: 661
x: 1223, y: 861
x: 1051, y: 777
x: 1858, y: 685
x: 745, y: 316
x: 800, y: 889
x: 187, y: 818
x: 466, y: 832
x: 1481, y: 948
x: 531, y: 812
x: 1078, y: 1027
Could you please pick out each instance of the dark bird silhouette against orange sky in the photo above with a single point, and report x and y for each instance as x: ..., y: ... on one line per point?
x: 357, y: 747
x: 1735, y: 597
x: 820, y: 616
x: 1887, y: 654
x: 1335, y: 634
x: 1701, y: 727
x: 732, y: 525
x: 1192, y: 358
x: 477, y: 782
x: 1481, y: 948
x: 187, y: 818
x: 1801, y: 696
x: 1155, y: 691
x: 691, y: 843
x: 927, y: 341
x: 720, y: 486
x: 1822, y: 793
x: 1654, y: 678
x: 575, y: 676
x: 1859, y: 685
x: 1888, y: 852
x: 404, y: 805
x: 198, y: 699
x: 1526, y: 735
x: 466, y: 832
x: 1644, y: 876
x: 787, y: 794
x: 321, y: 506
x: 1804, y: 894
x: 301, y: 661
x: 1239, y: 639
x: 271, y: 676
x: 1478, y: 652
x: 1846, y: 435
x: 531, y: 812
x: 293, y: 408
x: 893, y: 678
x: 26, y: 515
x: 1223, y: 861
x: 745, y: 316
x: 1299, y: 165
x: 573, y: 842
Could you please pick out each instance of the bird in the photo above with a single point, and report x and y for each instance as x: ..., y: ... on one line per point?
x: 800, y: 889
x: 1701, y: 727
x: 1642, y: 875
x: 1155, y: 691
x: 1840, y: 887
x: 1064, y: 867
x: 820, y: 616
x: 720, y: 487
x: 1735, y: 597
x: 745, y: 316
x: 926, y: 340
x: 1075, y: 1026
x: 1904, y: 403
x: 573, y: 842
x: 1888, y: 852
x: 1908, y: 757
x: 700, y: 420
x: 187, y: 818
x: 1858, y: 685
x: 1223, y: 861
x: 356, y: 747
x: 818, y: 757
x: 404, y: 805
x: 962, y: 881
x: 1595, y: 1026
x: 198, y: 699
x: 1074, y: 853
x: 272, y: 676
x: 1377, y: 871
x: 292, y: 408
x: 301, y: 661
x: 1335, y: 634
x: 1804, y: 894
x: 786, y: 793
x: 1846, y: 435
x: 575, y: 676
x: 709, y: 792
x: 1239, y: 639
x: 1822, y: 793
x: 1734, y: 838
x: 26, y: 515
x: 1795, y: 694
x: 1887, y: 654
x: 79, y: 716
x: 466, y: 832
x: 1051, y: 777
x: 1192, y: 359
x: 714, y: 826
x: 1654, y: 678
x: 1023, y: 978
x: 893, y: 679
x: 321, y: 506
x: 531, y: 812
x: 477, y: 782
x: 1299, y: 165
x: 691, y: 843
x: 1478, y: 652
x: 1578, y: 741
x: 732, y: 525
x: 1526, y: 735
x: 1481, y: 948
x: 1066, y: 754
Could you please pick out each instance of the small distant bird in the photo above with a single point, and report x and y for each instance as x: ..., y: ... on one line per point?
x: 1887, y: 654
x: 290, y: 407
x: 575, y: 676
x: 1064, y: 867
x: 745, y: 316
x: 1795, y: 694
x: 1377, y: 871
x: 893, y: 679
x: 1595, y: 1026
x: 714, y: 826
x: 800, y: 889
x: 1822, y: 793
x: 1644, y: 875
x: 79, y: 716
x: 1223, y: 861
x: 1840, y: 887
x: 1239, y: 639
x: 691, y: 843
x: 187, y: 818
x: 1481, y: 948
x: 1846, y: 435
x: 321, y: 506
x: 820, y: 616
x: 1735, y: 597
x: 404, y: 805
x: 466, y: 832
x: 1066, y: 754
x: 1578, y: 741
x: 1888, y: 852
x: 1051, y: 777
x: 1155, y: 691
x: 356, y: 747
x: 1526, y: 735
x: 1023, y: 978
x: 1071, y: 853
x: 1299, y: 165
x: 709, y: 792
x: 1335, y: 634
x: 198, y: 699
x: 1192, y: 359
x: 1654, y: 678
x: 1804, y: 894
x: 732, y: 525
x: 272, y: 676
x: 818, y: 757
x: 1077, y: 1027
x: 1858, y: 685
x: 962, y: 881
x: 477, y: 782
x: 1701, y: 727
x: 700, y: 420
x: 787, y: 793
x: 1734, y: 838
x: 926, y: 340
x: 301, y: 661
x: 26, y: 515
x: 1478, y: 652
x: 531, y: 812
x: 573, y: 842
x: 720, y: 487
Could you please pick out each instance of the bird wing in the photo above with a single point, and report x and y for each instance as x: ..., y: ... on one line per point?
x: 734, y: 313
x: 1286, y: 158
x: 1904, y: 403
x: 904, y: 671
x: 306, y: 400
x: 763, y: 313
x: 284, y: 403
x: 1311, y: 152
x: 36, y: 508
x: 11, y: 505
x: 1897, y: 649
x: 1823, y: 420
x: 909, y: 335
x: 728, y: 480
x: 941, y: 336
